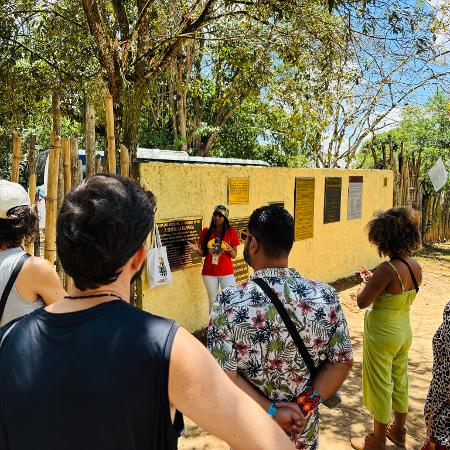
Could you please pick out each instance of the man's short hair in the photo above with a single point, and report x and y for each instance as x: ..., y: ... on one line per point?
x: 273, y: 227
x: 101, y: 225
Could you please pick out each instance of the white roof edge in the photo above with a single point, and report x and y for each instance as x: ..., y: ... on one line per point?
x: 156, y: 154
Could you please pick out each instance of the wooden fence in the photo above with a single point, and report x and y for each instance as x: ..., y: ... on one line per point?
x: 408, y: 191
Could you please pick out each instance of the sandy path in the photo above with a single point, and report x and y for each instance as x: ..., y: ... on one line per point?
x: 351, y: 418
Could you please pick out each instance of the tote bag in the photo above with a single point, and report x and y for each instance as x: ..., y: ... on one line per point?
x: 158, y: 269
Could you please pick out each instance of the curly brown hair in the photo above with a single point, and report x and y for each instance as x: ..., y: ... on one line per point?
x: 13, y: 232
x: 395, y: 231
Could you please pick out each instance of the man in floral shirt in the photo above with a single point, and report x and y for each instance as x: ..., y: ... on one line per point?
x: 250, y: 341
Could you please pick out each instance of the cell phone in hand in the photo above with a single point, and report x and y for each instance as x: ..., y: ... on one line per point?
x: 363, y: 276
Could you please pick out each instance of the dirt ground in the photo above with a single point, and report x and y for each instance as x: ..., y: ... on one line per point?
x: 351, y: 418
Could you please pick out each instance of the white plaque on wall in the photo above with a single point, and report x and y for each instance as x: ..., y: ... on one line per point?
x: 354, y: 204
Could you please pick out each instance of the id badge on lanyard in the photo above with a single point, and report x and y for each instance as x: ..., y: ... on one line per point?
x: 215, y: 259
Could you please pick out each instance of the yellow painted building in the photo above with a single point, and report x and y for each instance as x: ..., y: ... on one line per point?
x: 336, y: 249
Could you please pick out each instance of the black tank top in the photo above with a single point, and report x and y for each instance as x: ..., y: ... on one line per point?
x: 89, y: 380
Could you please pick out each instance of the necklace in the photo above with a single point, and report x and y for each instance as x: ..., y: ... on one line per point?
x: 80, y: 297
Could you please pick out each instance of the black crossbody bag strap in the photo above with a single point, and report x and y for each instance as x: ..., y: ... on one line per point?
x: 413, y: 277
x: 289, y: 325
x: 11, y: 281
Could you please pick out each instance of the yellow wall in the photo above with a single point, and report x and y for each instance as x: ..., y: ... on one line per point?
x: 337, y: 249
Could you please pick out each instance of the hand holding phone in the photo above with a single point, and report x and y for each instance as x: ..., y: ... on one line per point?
x: 365, y: 274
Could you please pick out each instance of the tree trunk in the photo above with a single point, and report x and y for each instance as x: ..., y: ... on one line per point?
x: 197, y: 100
x: 209, y: 142
x: 173, y: 108
x: 181, y: 103
x: 132, y: 105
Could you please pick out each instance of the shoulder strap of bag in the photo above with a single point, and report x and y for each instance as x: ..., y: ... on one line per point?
x: 156, y: 237
x: 289, y: 325
x: 413, y: 277
x: 11, y: 281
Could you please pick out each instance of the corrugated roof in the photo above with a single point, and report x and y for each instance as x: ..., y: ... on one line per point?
x: 155, y: 154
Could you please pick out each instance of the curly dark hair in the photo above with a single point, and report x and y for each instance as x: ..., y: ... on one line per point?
x: 395, y: 231
x: 21, y: 229
x: 100, y: 226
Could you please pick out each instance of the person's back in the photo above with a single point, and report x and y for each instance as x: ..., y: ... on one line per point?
x: 26, y: 282
x: 248, y: 337
x: 15, y: 305
x: 101, y: 376
x: 90, y: 371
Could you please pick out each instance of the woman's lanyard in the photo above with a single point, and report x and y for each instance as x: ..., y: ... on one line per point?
x: 216, y: 248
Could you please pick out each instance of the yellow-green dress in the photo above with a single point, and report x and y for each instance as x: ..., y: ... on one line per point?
x: 387, y: 338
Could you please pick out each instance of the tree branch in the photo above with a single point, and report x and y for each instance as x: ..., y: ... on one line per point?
x: 131, y: 37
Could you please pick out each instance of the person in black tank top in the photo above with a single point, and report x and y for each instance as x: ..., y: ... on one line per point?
x: 93, y: 372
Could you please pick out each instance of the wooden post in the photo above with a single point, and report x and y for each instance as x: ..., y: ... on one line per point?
x: 98, y: 164
x: 37, y: 235
x: 31, y: 181
x: 65, y: 146
x: 90, y: 139
x: 52, y: 198
x: 16, y: 156
x: 80, y: 170
x: 124, y: 161
x: 74, y: 162
x: 110, y: 133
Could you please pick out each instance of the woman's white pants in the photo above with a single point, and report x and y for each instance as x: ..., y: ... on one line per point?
x: 212, y: 284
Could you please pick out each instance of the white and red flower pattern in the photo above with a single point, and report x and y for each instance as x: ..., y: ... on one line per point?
x: 246, y: 334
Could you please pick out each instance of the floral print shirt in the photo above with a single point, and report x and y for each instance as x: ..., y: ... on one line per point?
x: 247, y: 335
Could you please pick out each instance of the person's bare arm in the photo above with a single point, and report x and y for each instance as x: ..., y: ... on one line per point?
x: 331, y: 377
x: 288, y: 416
x: 38, y: 278
x: 370, y: 291
x: 199, y: 388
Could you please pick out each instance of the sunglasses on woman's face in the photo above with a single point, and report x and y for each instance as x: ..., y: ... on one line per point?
x: 217, y: 214
x: 244, y: 234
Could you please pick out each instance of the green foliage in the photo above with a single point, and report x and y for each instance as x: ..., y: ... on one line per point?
x: 425, y: 134
x: 261, y: 131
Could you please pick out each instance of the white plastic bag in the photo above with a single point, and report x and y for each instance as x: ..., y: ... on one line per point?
x: 158, y: 269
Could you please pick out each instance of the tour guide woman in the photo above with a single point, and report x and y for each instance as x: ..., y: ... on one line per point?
x: 391, y: 290
x: 218, y: 245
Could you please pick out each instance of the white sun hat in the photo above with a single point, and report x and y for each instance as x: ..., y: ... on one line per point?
x: 12, y: 195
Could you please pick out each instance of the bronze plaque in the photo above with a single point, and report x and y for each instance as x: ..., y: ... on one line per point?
x: 332, y: 200
x: 355, y: 192
x: 238, y: 190
x: 280, y: 204
x: 240, y: 270
x: 239, y: 224
x: 304, y: 208
x: 174, y: 235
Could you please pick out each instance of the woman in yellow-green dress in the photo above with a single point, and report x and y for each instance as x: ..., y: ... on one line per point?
x: 389, y: 292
